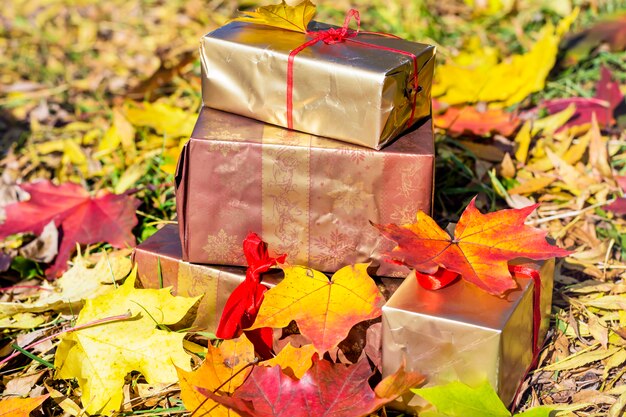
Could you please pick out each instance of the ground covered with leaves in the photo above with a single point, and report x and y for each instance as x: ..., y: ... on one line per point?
x: 529, y: 107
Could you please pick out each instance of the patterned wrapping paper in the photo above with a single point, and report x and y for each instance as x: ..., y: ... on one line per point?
x: 162, y: 252
x: 461, y: 333
x: 161, y: 255
x: 307, y: 196
x: 347, y: 91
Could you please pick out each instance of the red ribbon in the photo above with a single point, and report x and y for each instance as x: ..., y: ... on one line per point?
x: 338, y: 35
x: 243, y: 304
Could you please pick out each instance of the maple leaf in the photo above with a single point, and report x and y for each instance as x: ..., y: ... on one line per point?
x: 84, y: 219
x: 607, y: 99
x: 77, y: 284
x: 20, y: 407
x: 326, y: 389
x: 460, y: 120
x: 294, y: 18
x: 324, y: 309
x: 296, y: 359
x: 222, y: 368
x: 479, y: 251
x: 476, y: 75
x: 460, y: 400
x: 100, y: 357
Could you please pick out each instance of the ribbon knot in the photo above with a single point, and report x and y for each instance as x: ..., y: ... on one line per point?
x: 337, y: 35
x: 334, y: 36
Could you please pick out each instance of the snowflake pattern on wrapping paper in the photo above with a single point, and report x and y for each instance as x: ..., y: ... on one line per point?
x: 349, y: 195
x: 353, y: 153
x: 223, y: 249
x: 404, y: 214
x: 334, y: 249
x: 225, y: 148
x: 407, y: 179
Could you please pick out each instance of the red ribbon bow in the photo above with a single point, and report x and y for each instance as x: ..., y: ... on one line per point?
x: 243, y: 304
x: 338, y: 35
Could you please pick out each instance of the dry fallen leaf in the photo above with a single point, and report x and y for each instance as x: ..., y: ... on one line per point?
x: 83, y: 218
x: 297, y: 359
x: 78, y: 284
x: 324, y: 309
x: 100, y: 357
x: 223, y: 365
x: 326, y: 389
x: 479, y: 250
x: 283, y: 16
x: 477, y: 75
x: 20, y: 407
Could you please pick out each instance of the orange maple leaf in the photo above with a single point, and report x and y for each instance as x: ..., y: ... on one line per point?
x: 222, y: 368
x: 325, y: 309
x: 480, y: 249
x: 466, y: 119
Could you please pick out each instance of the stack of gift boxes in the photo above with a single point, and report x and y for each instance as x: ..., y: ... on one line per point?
x: 356, y: 146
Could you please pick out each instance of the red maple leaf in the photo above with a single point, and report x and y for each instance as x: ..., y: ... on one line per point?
x: 243, y: 304
x: 82, y: 218
x: 604, y: 105
x: 326, y: 389
x: 480, y: 249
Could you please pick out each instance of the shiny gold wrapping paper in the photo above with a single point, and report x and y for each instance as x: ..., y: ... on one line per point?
x: 345, y: 91
x: 310, y: 197
x: 461, y: 333
x: 161, y: 255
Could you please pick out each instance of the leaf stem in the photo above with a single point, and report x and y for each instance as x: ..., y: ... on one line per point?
x: 105, y: 320
x: 16, y: 287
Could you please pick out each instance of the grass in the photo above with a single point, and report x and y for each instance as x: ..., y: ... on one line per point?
x: 68, y: 64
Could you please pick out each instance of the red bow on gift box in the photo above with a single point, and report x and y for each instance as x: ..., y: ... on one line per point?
x: 243, y: 304
x: 338, y: 35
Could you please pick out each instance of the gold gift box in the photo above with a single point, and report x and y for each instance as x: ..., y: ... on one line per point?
x: 347, y: 91
x: 461, y: 333
x: 310, y: 197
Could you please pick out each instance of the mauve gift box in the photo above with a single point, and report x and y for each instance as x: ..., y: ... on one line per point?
x: 159, y: 264
x: 354, y: 91
x: 461, y: 333
x: 310, y: 197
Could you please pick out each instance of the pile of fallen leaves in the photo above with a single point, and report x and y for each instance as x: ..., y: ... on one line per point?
x: 96, y: 100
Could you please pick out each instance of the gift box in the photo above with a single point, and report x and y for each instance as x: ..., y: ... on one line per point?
x: 461, y: 333
x: 360, y: 89
x: 159, y: 264
x: 310, y: 197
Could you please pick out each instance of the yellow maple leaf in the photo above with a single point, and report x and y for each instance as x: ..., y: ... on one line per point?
x: 164, y: 118
x: 20, y: 407
x: 223, y: 364
x: 294, y: 18
x: 299, y: 360
x: 500, y: 83
x: 325, y: 309
x: 100, y: 357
